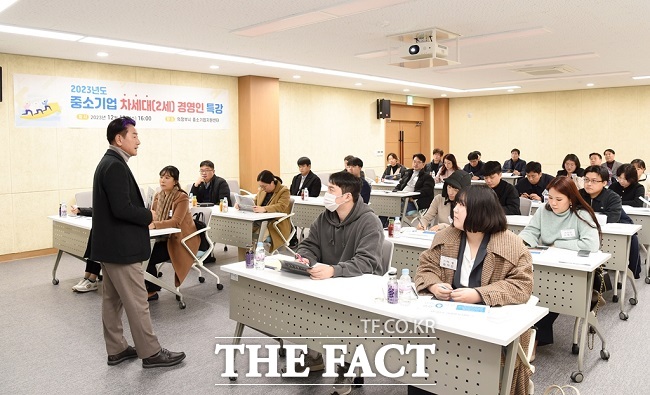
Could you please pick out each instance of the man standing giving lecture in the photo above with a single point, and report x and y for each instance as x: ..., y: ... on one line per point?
x: 119, y: 240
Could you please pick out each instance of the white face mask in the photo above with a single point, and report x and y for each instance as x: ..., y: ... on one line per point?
x: 329, y: 201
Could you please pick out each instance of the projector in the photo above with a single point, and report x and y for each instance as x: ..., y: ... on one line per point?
x: 425, y: 50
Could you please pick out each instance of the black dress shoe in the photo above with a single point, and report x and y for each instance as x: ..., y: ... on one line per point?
x: 163, y: 358
x: 210, y: 259
x: 152, y: 297
x: 129, y: 353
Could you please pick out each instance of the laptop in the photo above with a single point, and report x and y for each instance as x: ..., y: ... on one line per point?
x: 296, y: 267
x: 245, y: 203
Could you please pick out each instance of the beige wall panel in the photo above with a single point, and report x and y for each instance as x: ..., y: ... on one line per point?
x: 25, y: 211
x: 594, y: 113
x: 186, y: 79
x: 154, y: 153
x: 152, y: 76
x: 29, y: 65
x: 34, y: 160
x: 78, y: 152
x: 624, y: 122
x: 116, y: 73
x: 7, y: 230
x: 71, y: 68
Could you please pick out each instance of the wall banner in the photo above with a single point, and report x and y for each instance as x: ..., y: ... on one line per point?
x: 61, y: 102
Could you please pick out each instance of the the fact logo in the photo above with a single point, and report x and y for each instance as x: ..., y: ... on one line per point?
x: 333, y: 354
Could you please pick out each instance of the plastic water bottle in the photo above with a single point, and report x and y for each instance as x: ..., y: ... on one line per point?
x: 393, y: 290
x: 225, y: 205
x: 397, y: 226
x: 259, y: 256
x: 63, y: 210
x: 545, y: 196
x: 405, y: 288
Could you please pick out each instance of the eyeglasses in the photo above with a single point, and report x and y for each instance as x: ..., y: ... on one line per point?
x: 202, y: 171
x: 592, y: 181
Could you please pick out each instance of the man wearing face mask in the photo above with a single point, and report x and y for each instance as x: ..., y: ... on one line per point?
x: 347, y: 238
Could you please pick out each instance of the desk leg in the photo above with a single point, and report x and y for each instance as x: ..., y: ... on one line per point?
x: 508, y: 371
x: 236, y: 339
x: 55, y: 280
x: 162, y: 284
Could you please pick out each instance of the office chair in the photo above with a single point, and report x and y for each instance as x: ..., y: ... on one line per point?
x: 286, y: 217
x: 386, y: 255
x: 201, y: 256
x: 84, y: 199
x: 524, y: 206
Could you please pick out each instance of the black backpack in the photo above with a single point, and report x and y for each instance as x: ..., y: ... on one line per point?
x: 199, y: 222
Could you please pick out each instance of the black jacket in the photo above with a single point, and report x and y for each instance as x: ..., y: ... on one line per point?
x: 608, y: 203
x: 520, y: 166
x: 524, y: 186
x: 120, y: 232
x: 629, y: 195
x: 212, y: 192
x: 476, y: 171
x: 432, y: 167
x: 508, y: 197
x: 424, y: 185
x: 312, y: 183
x: 580, y: 172
x: 397, y: 169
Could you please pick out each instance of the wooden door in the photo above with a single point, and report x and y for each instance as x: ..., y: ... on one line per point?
x: 403, y: 138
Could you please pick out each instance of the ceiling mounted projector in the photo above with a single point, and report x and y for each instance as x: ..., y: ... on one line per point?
x: 425, y: 50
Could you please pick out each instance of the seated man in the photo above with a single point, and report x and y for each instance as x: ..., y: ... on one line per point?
x: 595, y: 159
x: 508, y: 196
x: 355, y: 166
x: 209, y: 188
x: 436, y: 161
x: 306, y: 179
x: 515, y: 165
x: 417, y: 180
x: 605, y: 201
x: 611, y: 164
x: 534, y: 184
x: 347, y: 239
x: 475, y: 166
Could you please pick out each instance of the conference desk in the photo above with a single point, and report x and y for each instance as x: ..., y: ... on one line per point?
x: 562, y: 287
x: 70, y: 235
x: 467, y: 357
x: 235, y: 227
x: 389, y: 204
x: 641, y: 216
x: 306, y: 211
x: 617, y: 239
x: 384, y: 185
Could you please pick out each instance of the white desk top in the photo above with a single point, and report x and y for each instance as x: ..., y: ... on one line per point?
x: 311, y: 201
x: 399, y: 194
x: 245, y: 215
x: 411, y: 238
x: 536, y: 203
x: 473, y: 182
x: 510, y: 176
x: 87, y: 223
x: 637, y: 210
x: 501, y: 325
x: 385, y: 183
x: 610, y: 229
x: 567, y: 259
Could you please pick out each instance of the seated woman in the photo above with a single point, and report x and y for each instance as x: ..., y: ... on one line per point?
x: 639, y: 165
x: 172, y: 210
x: 627, y: 186
x: 479, y: 240
x: 394, y: 170
x: 566, y: 221
x: 438, y: 216
x: 571, y: 168
x: 449, y: 165
x: 273, y: 197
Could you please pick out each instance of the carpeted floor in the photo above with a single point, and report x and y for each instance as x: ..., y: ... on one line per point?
x: 51, y: 341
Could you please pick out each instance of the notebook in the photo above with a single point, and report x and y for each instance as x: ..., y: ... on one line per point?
x: 245, y: 203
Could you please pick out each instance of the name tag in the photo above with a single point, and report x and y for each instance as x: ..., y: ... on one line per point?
x: 171, y: 213
x: 448, y: 263
x: 568, y: 233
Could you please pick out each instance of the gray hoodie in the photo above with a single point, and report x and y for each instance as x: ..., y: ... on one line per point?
x: 353, y: 247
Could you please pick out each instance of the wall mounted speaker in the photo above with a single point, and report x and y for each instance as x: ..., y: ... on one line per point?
x: 383, y: 108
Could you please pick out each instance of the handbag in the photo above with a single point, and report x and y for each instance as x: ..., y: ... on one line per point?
x: 557, y: 390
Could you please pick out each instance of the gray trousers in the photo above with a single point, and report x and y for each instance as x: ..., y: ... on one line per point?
x: 123, y: 290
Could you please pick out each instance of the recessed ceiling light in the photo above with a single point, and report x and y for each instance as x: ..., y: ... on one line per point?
x: 511, y: 90
x: 102, y: 54
x: 296, y: 76
x: 443, y: 95
x: 406, y: 90
x: 358, y: 84
x: 641, y: 77
x: 590, y: 84
x: 214, y: 67
x: 39, y: 33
